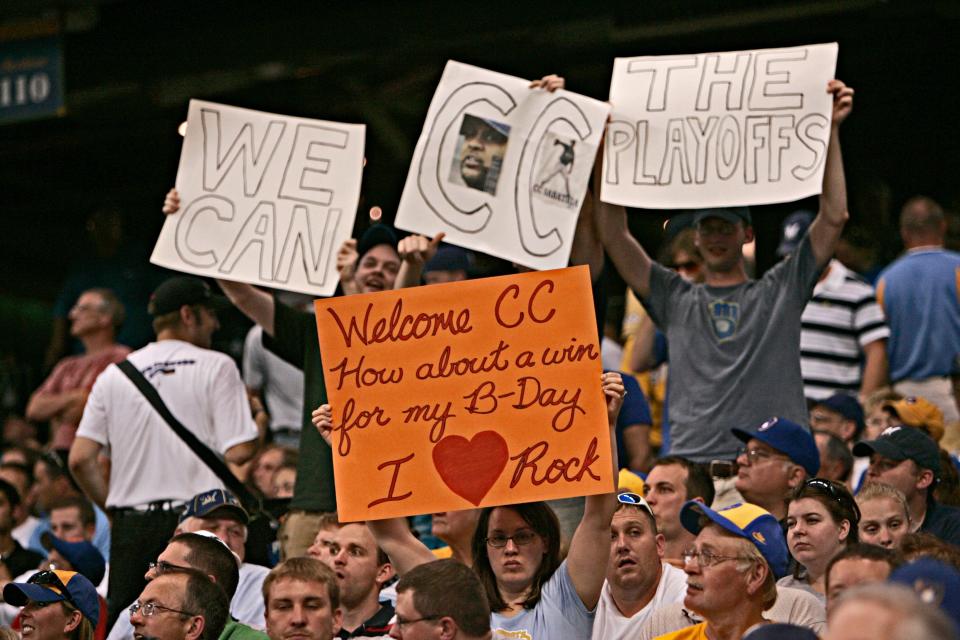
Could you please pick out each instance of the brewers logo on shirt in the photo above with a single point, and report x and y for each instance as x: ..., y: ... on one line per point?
x: 725, y: 317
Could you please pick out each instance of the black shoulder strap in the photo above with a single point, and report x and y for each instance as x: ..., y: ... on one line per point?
x: 208, y: 457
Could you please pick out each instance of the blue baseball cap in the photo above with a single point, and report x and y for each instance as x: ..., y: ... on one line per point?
x: 56, y: 586
x: 203, y: 505
x: 789, y: 438
x: 936, y: 583
x: 746, y: 520
x: 847, y: 406
x: 83, y: 556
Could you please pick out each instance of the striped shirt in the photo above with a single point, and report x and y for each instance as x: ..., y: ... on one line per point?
x: 842, y: 317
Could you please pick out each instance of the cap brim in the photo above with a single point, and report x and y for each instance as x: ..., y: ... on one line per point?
x: 883, y: 447
x: 742, y: 436
x: 693, y: 510
x: 240, y: 512
x: 18, y: 593
x: 728, y: 216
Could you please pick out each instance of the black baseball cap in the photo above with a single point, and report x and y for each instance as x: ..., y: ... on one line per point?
x: 175, y: 292
x: 902, y: 443
x: 374, y: 236
x: 730, y: 214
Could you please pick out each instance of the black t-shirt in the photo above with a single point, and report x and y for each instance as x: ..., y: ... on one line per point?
x: 21, y: 560
x: 942, y: 521
x: 295, y: 341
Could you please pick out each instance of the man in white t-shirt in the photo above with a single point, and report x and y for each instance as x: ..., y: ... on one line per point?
x: 153, y: 473
x: 638, y: 581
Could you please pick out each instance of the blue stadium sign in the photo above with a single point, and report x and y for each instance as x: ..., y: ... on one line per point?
x: 31, y: 79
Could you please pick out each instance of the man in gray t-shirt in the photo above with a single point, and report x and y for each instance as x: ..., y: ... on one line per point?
x: 734, y: 342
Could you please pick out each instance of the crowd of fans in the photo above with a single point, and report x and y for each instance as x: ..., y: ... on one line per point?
x: 787, y: 451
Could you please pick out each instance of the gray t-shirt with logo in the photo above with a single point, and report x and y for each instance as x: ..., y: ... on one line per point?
x: 734, y: 352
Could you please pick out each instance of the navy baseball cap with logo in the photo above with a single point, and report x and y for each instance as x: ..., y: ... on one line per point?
x: 175, y: 292
x: 789, y: 438
x: 83, y: 556
x: 793, y: 230
x: 215, y: 501
x: 936, y: 583
x: 56, y: 586
x: 903, y: 443
x: 746, y: 520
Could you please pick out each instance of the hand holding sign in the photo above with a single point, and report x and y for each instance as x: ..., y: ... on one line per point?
x: 267, y: 199
x: 453, y: 454
x: 718, y: 129
x: 485, y: 393
x: 842, y: 101
x: 502, y: 165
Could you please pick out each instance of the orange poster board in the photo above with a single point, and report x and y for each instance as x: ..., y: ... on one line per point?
x: 462, y: 395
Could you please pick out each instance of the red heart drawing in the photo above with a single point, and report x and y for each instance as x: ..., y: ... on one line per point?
x: 470, y: 467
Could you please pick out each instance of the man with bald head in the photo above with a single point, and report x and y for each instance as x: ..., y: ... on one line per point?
x: 924, y: 320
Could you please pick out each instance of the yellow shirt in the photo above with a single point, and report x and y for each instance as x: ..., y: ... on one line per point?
x: 696, y: 632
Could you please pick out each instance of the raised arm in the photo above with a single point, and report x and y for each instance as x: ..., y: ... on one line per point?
x: 254, y: 303
x: 587, y: 248
x: 610, y: 220
x: 415, y: 252
x: 590, y: 546
x: 392, y: 534
x: 828, y: 225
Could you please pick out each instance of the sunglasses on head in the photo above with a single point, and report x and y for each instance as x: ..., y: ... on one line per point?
x: 52, y: 581
x: 833, y: 490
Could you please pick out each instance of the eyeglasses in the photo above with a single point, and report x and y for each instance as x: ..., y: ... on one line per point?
x: 755, y: 455
x: 689, y: 265
x: 520, y: 538
x: 163, y: 566
x: 148, y: 609
x: 708, y: 558
x: 401, y: 622
x: 52, y: 581
x: 834, y: 491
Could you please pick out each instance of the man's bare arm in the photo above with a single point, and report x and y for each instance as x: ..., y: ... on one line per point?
x: 86, y: 470
x: 828, y: 225
x: 43, y: 406
x: 875, y: 368
x: 610, y: 222
x: 255, y: 303
x: 241, y: 453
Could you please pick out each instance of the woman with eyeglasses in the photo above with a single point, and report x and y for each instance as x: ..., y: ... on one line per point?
x: 57, y: 605
x: 822, y: 518
x: 516, y: 553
